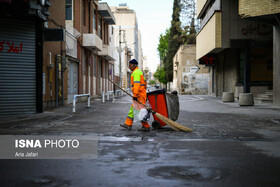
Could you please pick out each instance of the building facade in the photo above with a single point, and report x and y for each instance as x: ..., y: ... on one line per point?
x: 21, y: 55
x: 90, y: 56
x: 128, y: 40
x: 188, y: 76
x: 52, y: 50
x: 54, y: 65
x: 238, y: 51
x: 266, y: 12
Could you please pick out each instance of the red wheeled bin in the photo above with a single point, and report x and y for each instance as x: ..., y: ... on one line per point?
x: 164, y: 103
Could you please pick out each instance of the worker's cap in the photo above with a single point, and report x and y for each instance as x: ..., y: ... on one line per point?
x: 133, y: 61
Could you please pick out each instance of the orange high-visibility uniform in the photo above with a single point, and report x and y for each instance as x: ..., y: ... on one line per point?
x: 139, y: 85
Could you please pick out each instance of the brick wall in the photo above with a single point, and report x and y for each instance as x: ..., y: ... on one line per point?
x: 57, y: 13
x: 251, y: 8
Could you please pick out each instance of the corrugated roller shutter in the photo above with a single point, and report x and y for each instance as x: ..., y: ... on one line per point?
x: 17, y: 67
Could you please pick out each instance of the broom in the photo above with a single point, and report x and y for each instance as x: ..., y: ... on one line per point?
x: 172, y: 124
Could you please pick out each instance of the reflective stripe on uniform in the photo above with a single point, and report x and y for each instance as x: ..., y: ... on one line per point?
x: 129, y: 117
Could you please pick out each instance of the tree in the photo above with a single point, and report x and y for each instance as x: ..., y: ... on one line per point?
x: 162, y: 49
x: 163, y: 45
x: 188, y: 16
x: 152, y: 82
x: 160, y: 75
x: 174, y: 41
x: 146, y: 73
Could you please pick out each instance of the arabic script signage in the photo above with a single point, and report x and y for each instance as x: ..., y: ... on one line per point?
x: 259, y: 29
x: 10, y: 47
x: 207, y: 60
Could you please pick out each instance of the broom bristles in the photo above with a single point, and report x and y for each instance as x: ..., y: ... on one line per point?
x: 173, y: 124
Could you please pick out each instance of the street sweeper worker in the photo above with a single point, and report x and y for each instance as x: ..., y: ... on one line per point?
x: 138, y: 85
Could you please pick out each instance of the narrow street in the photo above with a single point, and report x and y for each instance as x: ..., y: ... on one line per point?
x: 229, y: 146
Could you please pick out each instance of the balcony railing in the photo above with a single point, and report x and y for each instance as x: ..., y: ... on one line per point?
x: 107, y: 53
x: 92, y: 42
x: 209, y: 38
x: 106, y: 13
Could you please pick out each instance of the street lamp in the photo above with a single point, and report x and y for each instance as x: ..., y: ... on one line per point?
x: 120, y: 53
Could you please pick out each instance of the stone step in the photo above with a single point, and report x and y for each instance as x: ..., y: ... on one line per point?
x: 263, y: 100
x: 265, y: 96
x: 269, y: 92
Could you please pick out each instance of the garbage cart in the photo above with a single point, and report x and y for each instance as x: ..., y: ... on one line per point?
x: 164, y: 103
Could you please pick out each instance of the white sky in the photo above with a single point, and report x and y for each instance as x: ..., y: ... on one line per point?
x: 154, y: 17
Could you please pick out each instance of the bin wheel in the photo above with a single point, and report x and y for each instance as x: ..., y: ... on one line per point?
x: 156, y: 125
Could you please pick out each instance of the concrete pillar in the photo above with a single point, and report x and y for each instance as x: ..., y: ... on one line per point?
x: 276, y: 65
x: 228, y: 97
x: 246, y: 99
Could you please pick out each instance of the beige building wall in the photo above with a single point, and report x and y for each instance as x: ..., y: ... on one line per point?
x: 140, y: 52
x: 227, y: 25
x: 209, y: 38
x: 199, y: 6
x: 188, y: 76
x: 261, y: 7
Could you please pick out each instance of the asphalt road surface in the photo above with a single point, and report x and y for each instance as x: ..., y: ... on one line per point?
x: 229, y: 146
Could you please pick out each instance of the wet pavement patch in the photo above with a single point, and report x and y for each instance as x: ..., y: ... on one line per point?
x: 276, y: 121
x: 46, y: 181
x: 42, y: 181
x: 185, y: 173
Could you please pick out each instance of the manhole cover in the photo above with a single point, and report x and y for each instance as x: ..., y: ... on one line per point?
x: 42, y: 181
x: 276, y: 121
x: 185, y: 172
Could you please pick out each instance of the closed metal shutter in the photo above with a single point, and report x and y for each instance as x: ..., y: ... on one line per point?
x: 17, y: 67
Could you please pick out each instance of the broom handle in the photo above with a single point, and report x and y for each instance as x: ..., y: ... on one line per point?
x: 130, y: 95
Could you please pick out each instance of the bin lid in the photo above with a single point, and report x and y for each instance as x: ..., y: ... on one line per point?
x: 159, y: 91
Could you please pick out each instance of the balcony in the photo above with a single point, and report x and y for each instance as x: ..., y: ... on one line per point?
x: 92, y: 42
x: 107, y: 53
x: 71, y: 39
x: 106, y: 13
x: 209, y: 39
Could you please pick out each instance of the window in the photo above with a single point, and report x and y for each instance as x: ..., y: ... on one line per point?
x: 94, y: 65
x: 84, y: 63
x: 89, y: 16
x: 68, y: 10
x: 94, y: 20
x: 84, y: 12
x: 99, y: 67
x: 99, y: 27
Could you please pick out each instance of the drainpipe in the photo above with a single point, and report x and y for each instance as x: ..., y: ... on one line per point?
x: 50, y: 81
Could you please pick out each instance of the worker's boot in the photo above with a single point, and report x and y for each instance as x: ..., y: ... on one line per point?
x: 144, y: 129
x: 128, y: 127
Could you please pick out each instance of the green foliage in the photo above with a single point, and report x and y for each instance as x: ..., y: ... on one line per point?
x: 175, y: 36
x: 146, y: 73
x: 160, y: 75
x: 174, y: 41
x: 163, y: 44
x: 152, y: 82
x: 188, y: 16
